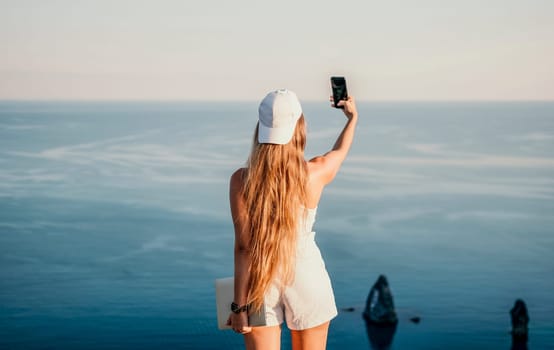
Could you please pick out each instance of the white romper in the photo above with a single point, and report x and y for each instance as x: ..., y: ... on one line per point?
x: 309, y: 301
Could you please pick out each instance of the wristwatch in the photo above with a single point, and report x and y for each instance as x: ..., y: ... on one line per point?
x: 238, y: 309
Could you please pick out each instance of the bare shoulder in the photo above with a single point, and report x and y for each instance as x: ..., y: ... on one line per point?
x: 236, y: 199
x: 237, y: 178
x: 316, y: 168
x: 320, y: 168
x: 316, y: 161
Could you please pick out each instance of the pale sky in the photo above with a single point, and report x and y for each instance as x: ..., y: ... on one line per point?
x: 240, y: 50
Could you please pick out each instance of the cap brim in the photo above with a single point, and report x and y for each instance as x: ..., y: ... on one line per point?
x: 279, y: 136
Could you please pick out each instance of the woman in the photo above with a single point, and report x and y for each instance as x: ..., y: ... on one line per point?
x: 273, y: 204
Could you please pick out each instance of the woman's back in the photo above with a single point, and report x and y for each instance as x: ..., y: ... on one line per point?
x: 266, y: 197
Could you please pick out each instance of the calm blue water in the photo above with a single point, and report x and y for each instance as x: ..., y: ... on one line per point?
x: 114, y: 221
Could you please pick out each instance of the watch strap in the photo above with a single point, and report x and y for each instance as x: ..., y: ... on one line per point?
x: 237, y: 309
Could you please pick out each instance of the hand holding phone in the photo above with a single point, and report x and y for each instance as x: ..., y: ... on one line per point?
x: 338, y: 85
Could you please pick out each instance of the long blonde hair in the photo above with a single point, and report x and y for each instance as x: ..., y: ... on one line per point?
x: 275, y: 193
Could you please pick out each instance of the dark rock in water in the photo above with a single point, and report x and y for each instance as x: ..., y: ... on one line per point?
x: 415, y: 319
x: 519, y: 345
x: 520, y: 322
x: 380, y: 306
x: 380, y: 335
x: 349, y: 309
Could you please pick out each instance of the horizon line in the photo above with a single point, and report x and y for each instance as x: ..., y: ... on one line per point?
x: 176, y: 100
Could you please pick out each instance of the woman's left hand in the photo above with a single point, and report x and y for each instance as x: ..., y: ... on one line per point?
x: 239, y: 322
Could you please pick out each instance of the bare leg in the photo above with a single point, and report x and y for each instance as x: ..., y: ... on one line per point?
x: 263, y: 338
x: 310, y: 339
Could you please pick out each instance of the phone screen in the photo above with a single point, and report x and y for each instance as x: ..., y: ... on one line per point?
x: 338, y: 84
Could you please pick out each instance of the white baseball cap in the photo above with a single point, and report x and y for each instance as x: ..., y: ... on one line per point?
x: 278, y: 113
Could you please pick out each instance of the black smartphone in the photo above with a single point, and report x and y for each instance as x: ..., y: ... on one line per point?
x: 338, y: 84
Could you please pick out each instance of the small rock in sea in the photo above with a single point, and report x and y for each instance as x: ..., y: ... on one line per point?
x: 520, y: 320
x: 380, y: 306
x: 415, y: 319
x: 349, y: 309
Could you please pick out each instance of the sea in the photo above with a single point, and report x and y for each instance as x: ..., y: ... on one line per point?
x: 115, y: 221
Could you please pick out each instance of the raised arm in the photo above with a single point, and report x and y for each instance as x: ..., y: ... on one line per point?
x: 329, y: 164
